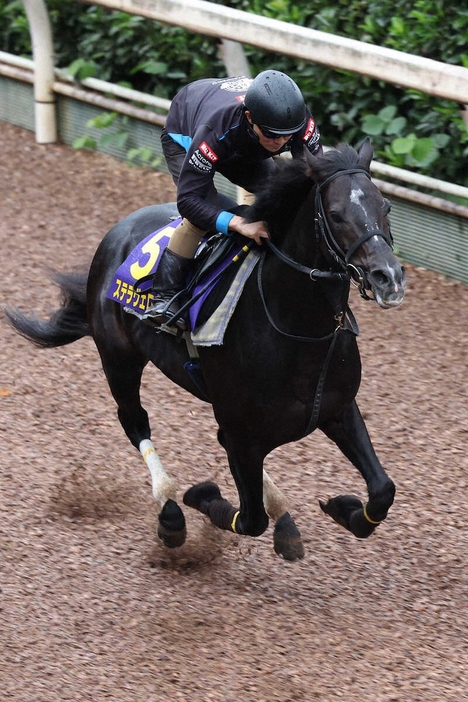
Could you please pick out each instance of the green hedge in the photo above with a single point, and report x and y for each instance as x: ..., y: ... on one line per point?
x: 407, y: 127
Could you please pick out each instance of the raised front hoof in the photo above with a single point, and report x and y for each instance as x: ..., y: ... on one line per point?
x: 199, y: 496
x: 287, y: 540
x: 347, y: 510
x: 171, y: 525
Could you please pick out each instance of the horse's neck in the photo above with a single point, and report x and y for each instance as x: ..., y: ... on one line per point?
x: 303, y: 303
x: 299, y: 240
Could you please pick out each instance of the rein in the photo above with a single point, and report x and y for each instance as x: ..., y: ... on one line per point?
x: 313, y: 273
x: 350, y: 272
x: 340, y: 314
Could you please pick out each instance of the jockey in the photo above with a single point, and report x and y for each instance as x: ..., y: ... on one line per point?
x: 231, y: 126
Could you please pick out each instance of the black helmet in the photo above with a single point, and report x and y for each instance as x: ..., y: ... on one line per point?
x: 276, y: 103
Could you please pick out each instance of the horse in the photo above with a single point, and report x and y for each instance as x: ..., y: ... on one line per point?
x: 289, y: 362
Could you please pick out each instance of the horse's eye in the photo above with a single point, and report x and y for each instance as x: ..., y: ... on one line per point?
x: 386, y: 206
x: 335, y: 217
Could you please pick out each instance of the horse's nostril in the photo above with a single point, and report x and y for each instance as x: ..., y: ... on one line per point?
x: 388, y: 278
x: 381, y: 278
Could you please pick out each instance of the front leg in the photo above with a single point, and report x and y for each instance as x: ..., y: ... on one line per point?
x: 351, y: 436
x: 246, y: 464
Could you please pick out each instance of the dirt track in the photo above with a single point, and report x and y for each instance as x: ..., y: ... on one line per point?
x: 93, y: 607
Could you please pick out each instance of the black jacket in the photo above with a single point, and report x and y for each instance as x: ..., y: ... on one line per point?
x: 207, y: 119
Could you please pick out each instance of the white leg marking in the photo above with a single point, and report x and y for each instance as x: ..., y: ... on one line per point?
x: 273, y: 499
x: 163, y: 486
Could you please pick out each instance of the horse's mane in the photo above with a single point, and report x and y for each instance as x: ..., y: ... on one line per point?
x: 341, y: 158
x: 287, y: 189
x: 282, y: 193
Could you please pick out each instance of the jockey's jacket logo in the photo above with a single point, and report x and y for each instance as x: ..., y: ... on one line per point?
x: 235, y: 85
x: 209, y: 153
x: 309, y: 130
x: 200, y: 162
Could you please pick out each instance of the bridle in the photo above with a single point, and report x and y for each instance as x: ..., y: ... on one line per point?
x: 324, y: 233
x: 339, y: 280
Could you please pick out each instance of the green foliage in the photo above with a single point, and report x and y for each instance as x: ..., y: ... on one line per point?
x: 115, y: 133
x: 144, y: 155
x: 405, y: 150
x: 14, y: 28
x: 81, y: 69
x: 85, y: 142
x: 160, y: 59
x: 435, y: 136
x: 154, y: 58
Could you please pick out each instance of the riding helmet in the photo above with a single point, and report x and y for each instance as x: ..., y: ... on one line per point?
x: 275, y: 103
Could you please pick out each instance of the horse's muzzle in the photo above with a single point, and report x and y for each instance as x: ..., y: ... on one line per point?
x: 388, y: 285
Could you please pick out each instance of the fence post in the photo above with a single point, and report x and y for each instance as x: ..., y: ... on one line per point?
x: 43, y: 54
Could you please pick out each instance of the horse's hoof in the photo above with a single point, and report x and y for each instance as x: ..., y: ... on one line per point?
x: 340, y: 508
x: 171, y: 528
x: 199, y: 496
x: 287, y: 540
x: 172, y: 539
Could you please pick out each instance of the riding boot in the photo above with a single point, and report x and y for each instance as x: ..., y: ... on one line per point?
x: 169, y: 279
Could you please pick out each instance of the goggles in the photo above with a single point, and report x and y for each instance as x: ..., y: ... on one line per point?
x: 272, y: 135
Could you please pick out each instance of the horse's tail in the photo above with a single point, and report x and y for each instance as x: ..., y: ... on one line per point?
x: 66, y: 325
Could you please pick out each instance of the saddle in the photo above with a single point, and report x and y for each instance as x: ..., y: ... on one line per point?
x: 217, y: 261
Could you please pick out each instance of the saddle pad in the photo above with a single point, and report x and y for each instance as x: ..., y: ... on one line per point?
x: 212, y: 332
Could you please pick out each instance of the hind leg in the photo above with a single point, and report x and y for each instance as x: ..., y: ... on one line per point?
x: 171, y: 521
x: 123, y: 372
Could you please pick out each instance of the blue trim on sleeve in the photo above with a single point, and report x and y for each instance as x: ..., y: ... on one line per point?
x: 222, y: 223
x: 235, y: 126
x: 184, y: 141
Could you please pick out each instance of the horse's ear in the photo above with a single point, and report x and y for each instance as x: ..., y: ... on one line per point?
x: 313, y: 165
x: 366, y: 154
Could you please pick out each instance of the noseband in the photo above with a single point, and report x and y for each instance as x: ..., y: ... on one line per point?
x: 324, y: 233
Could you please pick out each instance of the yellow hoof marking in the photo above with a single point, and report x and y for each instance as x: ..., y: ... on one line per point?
x: 233, y: 523
x: 371, y: 521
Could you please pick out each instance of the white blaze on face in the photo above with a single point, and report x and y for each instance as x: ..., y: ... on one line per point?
x: 356, y: 198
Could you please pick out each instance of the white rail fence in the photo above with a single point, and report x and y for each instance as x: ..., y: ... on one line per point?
x: 391, y: 66
x: 212, y: 19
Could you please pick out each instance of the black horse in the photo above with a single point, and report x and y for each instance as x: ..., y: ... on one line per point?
x: 289, y: 362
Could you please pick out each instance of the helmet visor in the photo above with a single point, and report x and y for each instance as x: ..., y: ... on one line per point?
x: 271, y: 133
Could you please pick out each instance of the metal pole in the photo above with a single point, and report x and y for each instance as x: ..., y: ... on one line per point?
x: 43, y: 54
